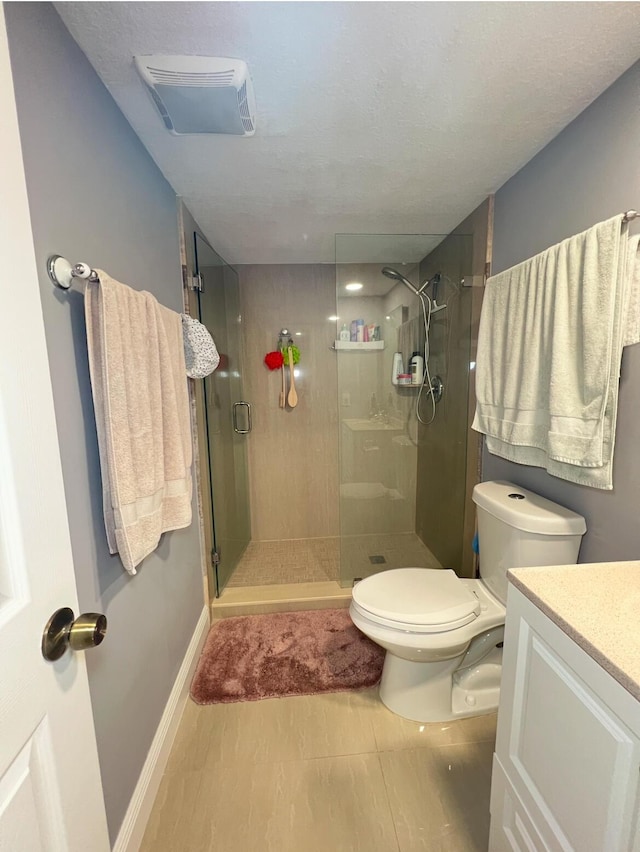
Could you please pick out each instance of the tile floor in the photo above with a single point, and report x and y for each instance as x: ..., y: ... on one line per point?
x: 400, y: 550
x: 312, y: 560
x: 326, y: 773
x: 304, y: 560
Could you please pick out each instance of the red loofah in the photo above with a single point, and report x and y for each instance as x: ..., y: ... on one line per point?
x: 274, y: 360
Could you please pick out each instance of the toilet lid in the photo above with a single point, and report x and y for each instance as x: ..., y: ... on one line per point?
x: 418, y: 596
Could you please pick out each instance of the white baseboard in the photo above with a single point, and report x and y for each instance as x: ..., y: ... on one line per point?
x: 137, y: 815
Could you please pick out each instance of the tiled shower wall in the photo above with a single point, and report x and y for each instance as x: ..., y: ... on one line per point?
x: 293, y: 453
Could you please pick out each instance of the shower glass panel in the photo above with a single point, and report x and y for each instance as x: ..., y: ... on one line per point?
x: 227, y: 423
x: 402, y: 482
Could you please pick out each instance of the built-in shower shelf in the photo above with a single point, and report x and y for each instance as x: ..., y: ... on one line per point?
x: 349, y: 346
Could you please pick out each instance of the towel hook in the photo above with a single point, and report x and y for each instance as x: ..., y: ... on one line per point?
x: 62, y: 273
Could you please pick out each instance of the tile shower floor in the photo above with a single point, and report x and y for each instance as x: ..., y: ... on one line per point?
x: 312, y: 560
x: 300, y: 560
x: 325, y: 773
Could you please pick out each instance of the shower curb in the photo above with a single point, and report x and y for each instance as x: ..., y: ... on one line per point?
x: 258, y: 600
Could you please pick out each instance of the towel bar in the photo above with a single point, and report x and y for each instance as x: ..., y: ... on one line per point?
x: 62, y: 273
x: 629, y: 215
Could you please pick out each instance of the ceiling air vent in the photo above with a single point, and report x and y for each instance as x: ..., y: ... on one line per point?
x: 200, y: 94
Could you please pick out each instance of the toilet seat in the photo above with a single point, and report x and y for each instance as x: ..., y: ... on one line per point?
x: 416, y: 600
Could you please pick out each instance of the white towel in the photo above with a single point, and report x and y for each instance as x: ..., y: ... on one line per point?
x: 549, y: 353
x: 139, y: 386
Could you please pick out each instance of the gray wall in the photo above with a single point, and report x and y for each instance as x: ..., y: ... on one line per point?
x: 95, y: 195
x: 588, y: 173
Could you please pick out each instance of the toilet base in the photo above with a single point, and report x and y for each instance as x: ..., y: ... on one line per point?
x: 476, y: 689
x: 429, y: 692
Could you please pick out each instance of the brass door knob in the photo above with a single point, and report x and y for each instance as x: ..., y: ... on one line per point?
x: 64, y: 631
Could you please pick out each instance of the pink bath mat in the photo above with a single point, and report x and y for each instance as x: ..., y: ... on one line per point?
x: 284, y: 653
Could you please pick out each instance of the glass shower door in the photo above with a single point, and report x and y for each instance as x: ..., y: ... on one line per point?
x: 227, y: 414
x: 402, y: 481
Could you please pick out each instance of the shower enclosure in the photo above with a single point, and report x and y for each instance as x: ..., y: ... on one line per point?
x: 227, y: 419
x: 375, y: 486
x: 403, y: 438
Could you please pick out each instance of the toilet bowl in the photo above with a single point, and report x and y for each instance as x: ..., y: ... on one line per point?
x: 443, y: 634
x: 427, y: 620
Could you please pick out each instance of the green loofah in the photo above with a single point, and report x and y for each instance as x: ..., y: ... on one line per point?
x: 295, y: 352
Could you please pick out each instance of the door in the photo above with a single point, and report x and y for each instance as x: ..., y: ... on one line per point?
x: 50, y: 791
x: 228, y: 414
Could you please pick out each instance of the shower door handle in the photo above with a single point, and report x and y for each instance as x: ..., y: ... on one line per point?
x: 235, y: 418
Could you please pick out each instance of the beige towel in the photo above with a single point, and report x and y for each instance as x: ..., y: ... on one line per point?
x: 549, y: 352
x: 140, y: 397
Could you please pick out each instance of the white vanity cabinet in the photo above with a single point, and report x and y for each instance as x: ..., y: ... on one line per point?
x: 566, y: 771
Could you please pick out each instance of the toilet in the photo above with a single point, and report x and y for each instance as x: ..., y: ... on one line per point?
x: 443, y: 634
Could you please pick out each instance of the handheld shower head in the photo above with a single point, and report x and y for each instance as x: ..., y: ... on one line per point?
x: 397, y: 276
x: 392, y: 273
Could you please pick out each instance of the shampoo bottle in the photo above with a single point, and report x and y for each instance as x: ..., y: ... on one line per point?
x: 396, y: 368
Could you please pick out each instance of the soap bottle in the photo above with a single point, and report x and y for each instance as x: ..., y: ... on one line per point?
x: 396, y: 368
x: 345, y: 334
x: 416, y: 368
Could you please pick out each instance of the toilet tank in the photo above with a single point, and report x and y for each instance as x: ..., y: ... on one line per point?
x: 518, y: 529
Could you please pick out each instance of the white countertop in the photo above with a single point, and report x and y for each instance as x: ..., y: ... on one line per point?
x: 598, y: 606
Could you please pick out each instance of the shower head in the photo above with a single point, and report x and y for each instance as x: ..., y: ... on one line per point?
x: 392, y: 273
x: 397, y: 276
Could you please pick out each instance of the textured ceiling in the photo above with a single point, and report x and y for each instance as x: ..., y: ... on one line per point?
x: 371, y: 117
